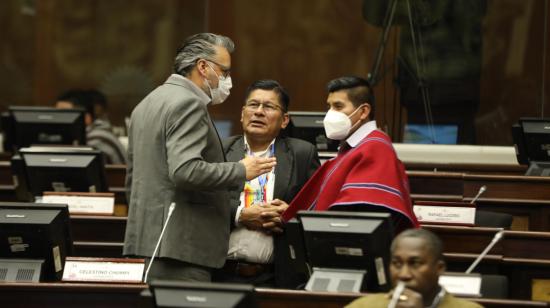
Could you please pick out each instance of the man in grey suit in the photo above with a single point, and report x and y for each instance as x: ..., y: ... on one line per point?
x: 176, y: 156
x: 258, y: 252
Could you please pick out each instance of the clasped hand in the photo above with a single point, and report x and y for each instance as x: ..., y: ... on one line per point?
x: 264, y: 217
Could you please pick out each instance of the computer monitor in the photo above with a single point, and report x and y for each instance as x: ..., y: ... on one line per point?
x: 177, y: 294
x: 24, y: 126
x: 431, y: 134
x: 338, y: 244
x: 308, y: 126
x: 33, y: 232
x: 532, y: 142
x: 62, y: 169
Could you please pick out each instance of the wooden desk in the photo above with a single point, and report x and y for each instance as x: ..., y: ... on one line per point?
x: 521, y: 256
x: 448, y: 184
x: 83, y: 295
x: 516, y: 187
x: 507, y: 186
x: 513, y: 245
x: 467, y: 168
x: 526, y: 198
x: 88, y: 295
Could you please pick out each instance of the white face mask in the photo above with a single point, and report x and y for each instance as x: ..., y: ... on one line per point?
x: 219, y: 94
x: 337, y: 124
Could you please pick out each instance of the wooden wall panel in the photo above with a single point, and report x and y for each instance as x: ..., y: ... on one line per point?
x: 303, y: 45
x: 127, y: 48
x: 123, y: 48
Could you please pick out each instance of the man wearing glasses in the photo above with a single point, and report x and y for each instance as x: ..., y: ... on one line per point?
x: 176, y: 157
x: 257, y: 251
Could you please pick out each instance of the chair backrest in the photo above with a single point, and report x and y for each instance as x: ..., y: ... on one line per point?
x: 494, y: 286
x: 493, y: 219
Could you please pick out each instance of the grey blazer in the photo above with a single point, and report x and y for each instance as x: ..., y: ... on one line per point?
x: 175, y: 155
x: 297, y: 160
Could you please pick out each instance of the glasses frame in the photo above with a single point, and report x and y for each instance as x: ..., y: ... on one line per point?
x: 226, y: 71
x: 262, y: 105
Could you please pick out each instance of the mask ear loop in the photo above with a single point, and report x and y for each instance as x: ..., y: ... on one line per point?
x: 353, y: 125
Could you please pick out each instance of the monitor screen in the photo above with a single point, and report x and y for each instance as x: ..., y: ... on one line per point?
x: 36, y: 231
x: 308, y: 126
x: 194, y: 294
x: 350, y: 240
x: 422, y: 134
x: 532, y: 142
x: 27, y: 125
x: 62, y: 169
x: 536, y: 137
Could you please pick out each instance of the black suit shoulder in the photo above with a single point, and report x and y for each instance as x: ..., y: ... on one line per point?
x: 305, y: 154
x: 299, y: 145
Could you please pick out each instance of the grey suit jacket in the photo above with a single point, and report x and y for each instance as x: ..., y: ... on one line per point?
x: 297, y: 160
x: 175, y: 155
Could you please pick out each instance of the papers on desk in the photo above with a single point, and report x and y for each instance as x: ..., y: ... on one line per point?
x: 103, y: 204
x: 461, y: 284
x: 103, y: 270
x: 446, y: 215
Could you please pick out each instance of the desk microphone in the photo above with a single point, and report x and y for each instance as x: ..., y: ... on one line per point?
x: 396, y: 294
x: 170, y: 211
x: 498, y: 236
x: 482, y: 189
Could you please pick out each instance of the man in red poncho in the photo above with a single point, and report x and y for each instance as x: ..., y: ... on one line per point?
x: 366, y: 175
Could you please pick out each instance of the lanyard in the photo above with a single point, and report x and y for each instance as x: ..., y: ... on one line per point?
x: 262, y: 179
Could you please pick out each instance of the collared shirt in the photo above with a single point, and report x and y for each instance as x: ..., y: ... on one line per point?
x: 251, y: 245
x: 362, y: 132
x: 198, y: 91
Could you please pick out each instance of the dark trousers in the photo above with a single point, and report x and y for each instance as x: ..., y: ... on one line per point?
x: 247, y: 273
x: 171, y: 269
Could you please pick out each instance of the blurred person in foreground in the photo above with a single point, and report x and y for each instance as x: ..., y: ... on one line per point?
x: 417, y: 261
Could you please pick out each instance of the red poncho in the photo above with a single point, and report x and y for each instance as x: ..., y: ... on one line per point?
x: 369, y: 174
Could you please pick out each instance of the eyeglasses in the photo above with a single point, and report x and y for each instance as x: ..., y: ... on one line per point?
x: 267, y: 107
x: 226, y: 71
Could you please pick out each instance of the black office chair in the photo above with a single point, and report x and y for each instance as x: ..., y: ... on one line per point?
x: 494, y: 286
x: 493, y: 219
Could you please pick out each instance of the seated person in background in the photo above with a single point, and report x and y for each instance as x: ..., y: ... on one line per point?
x: 98, y: 132
x: 257, y: 251
x: 366, y: 175
x: 417, y: 261
x: 99, y: 102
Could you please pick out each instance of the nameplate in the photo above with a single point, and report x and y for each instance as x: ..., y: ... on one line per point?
x: 103, y: 270
x: 456, y: 215
x: 461, y: 284
x: 98, y: 205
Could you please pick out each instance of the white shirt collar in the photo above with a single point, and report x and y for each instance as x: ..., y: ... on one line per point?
x: 246, y: 147
x: 204, y: 98
x: 363, y: 131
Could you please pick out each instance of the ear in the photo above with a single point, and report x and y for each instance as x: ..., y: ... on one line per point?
x: 202, y: 67
x: 286, y: 119
x: 366, y: 112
